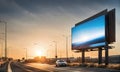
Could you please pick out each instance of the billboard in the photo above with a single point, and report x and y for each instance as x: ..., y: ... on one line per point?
x: 111, y: 26
x: 92, y: 32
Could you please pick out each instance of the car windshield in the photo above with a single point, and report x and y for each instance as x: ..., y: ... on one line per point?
x: 61, y: 61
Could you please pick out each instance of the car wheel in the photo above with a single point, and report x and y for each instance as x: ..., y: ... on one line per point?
x: 56, y: 66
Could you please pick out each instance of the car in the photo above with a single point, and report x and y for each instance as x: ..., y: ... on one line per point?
x: 60, y: 63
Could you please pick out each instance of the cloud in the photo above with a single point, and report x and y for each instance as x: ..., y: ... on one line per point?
x: 41, y: 6
x: 36, y: 20
x: 49, y: 13
x: 19, y: 8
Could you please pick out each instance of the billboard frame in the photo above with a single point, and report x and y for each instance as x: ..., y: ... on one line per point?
x: 109, y: 38
x: 109, y: 35
x: 104, y: 12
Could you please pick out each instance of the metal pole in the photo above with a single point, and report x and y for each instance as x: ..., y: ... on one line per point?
x: 1, y: 47
x: 67, y: 48
x: 1, y: 50
x: 55, y: 49
x: 83, y: 56
x: 5, y: 40
x: 99, y: 55
x: 26, y: 53
x: 106, y: 56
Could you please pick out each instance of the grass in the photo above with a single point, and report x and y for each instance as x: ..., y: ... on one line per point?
x: 110, y: 66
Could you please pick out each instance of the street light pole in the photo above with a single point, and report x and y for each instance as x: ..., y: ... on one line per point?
x: 55, y: 49
x: 1, y: 50
x: 26, y: 56
x: 67, y: 48
x: 66, y: 37
x: 26, y: 53
x: 5, y: 38
x: 1, y: 46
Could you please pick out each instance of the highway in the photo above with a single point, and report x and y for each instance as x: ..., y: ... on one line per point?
x: 18, y: 67
x: 52, y: 68
x: 38, y: 67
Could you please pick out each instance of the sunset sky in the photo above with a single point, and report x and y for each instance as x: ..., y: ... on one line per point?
x: 35, y: 24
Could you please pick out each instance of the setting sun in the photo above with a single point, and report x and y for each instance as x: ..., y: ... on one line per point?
x: 38, y: 50
x: 38, y: 53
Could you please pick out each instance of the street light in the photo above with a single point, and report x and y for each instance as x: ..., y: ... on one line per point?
x: 1, y: 46
x: 5, y: 37
x: 55, y: 49
x: 26, y: 53
x: 66, y: 37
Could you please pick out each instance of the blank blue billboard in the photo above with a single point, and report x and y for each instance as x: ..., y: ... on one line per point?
x: 89, y: 34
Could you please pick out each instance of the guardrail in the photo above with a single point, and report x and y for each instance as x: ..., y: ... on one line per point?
x: 1, y: 63
x: 3, y: 66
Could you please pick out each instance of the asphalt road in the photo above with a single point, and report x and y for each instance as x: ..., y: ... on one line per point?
x: 52, y: 68
x: 38, y: 67
x: 18, y: 67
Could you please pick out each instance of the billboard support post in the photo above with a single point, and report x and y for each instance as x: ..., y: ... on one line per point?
x: 99, y: 55
x: 83, y: 56
x: 106, y: 55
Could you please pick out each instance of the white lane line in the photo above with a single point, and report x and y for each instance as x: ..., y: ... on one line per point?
x: 9, y: 67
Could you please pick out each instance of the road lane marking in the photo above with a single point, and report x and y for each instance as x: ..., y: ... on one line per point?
x: 26, y: 70
x: 9, y: 67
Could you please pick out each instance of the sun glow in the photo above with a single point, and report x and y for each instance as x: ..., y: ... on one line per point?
x: 38, y: 53
x: 38, y: 50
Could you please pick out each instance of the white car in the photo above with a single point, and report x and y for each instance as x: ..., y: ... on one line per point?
x: 61, y: 63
